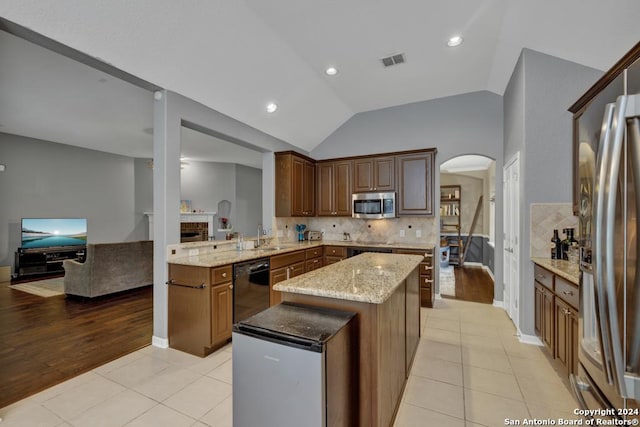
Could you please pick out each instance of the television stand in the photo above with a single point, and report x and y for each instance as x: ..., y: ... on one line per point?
x: 45, y: 261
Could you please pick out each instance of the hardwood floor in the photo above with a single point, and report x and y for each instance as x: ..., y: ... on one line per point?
x: 473, y: 284
x: 44, y: 341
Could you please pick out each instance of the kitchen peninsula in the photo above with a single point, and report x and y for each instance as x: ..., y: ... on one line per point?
x: 384, y: 290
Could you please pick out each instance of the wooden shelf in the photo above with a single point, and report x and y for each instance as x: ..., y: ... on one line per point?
x: 450, y: 222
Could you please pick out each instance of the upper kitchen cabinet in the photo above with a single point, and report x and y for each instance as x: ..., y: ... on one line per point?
x: 415, y: 182
x: 334, y: 187
x: 374, y: 173
x: 588, y: 114
x: 295, y: 184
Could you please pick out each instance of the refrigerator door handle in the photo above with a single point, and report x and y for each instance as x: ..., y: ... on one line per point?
x: 632, y: 381
x: 613, y: 174
x: 600, y: 190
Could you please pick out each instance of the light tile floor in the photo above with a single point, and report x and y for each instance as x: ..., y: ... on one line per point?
x: 470, y: 370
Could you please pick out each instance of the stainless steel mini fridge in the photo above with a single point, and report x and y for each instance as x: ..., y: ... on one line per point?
x: 293, y: 365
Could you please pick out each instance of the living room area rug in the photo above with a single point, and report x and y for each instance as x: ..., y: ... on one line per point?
x: 42, y: 288
x: 447, y: 281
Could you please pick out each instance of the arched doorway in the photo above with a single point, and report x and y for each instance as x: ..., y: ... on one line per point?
x: 467, y: 228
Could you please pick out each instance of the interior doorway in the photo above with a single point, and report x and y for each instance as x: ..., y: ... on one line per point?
x: 467, y: 228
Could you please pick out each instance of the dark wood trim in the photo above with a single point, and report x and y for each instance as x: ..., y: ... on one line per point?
x: 393, y: 153
x: 628, y: 59
x: 295, y: 153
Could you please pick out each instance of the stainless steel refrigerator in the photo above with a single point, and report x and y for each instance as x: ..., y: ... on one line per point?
x: 609, y: 321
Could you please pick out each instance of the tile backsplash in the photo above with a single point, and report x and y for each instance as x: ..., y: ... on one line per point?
x: 545, y: 217
x: 363, y: 230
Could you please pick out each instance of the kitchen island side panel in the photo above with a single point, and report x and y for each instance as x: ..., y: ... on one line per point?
x: 381, y: 331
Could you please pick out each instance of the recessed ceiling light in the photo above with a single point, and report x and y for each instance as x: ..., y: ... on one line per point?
x: 454, y: 41
x: 272, y: 107
x: 331, y: 71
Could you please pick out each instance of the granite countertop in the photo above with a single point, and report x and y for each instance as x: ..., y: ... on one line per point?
x: 221, y: 257
x: 368, y: 277
x: 562, y: 268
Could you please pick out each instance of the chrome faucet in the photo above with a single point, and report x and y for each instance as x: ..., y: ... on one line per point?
x: 259, y: 233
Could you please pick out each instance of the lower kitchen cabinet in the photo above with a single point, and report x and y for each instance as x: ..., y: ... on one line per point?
x: 222, y: 313
x: 334, y: 254
x: 427, y: 285
x: 313, y: 258
x: 284, y: 267
x: 556, y: 317
x: 200, y: 308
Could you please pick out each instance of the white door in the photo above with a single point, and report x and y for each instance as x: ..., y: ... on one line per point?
x: 511, y: 221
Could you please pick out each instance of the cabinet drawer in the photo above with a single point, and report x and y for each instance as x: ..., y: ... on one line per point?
x: 221, y: 274
x: 278, y: 261
x: 567, y: 291
x: 313, y: 264
x: 335, y: 251
x: 542, y: 276
x: 332, y: 259
x: 426, y: 268
x: 426, y: 281
x: 314, y: 252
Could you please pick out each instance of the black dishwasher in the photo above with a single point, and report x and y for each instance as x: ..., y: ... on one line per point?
x: 250, y: 288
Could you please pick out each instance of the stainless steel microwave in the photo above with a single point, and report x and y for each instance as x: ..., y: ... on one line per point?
x: 374, y: 205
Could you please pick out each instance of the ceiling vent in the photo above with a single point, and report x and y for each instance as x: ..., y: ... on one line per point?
x: 393, y: 60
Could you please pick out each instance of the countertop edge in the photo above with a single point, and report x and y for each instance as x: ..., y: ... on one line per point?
x: 234, y: 256
x: 562, y: 268
x: 330, y: 293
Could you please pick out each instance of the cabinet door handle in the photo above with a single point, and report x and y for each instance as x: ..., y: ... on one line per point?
x: 230, y: 286
x: 224, y: 274
x: 567, y: 292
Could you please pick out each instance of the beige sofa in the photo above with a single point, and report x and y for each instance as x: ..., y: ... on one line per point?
x: 109, y: 268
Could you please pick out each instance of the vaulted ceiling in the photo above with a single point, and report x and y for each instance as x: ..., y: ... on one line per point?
x: 237, y: 56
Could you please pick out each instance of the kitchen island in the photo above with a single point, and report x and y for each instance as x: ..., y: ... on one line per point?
x: 384, y: 290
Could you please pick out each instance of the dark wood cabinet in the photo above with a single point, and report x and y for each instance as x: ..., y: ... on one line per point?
x: 566, y: 326
x: 334, y: 181
x: 375, y: 173
x: 607, y: 83
x: 334, y: 254
x: 284, y: 267
x: 222, y: 313
x: 415, y: 183
x: 427, y: 284
x: 556, y: 317
x: 313, y: 258
x: 294, y: 185
x: 200, y: 308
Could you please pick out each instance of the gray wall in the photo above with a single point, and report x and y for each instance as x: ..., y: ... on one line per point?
x: 248, y: 211
x: 465, y: 124
x: 538, y: 125
x: 45, y: 179
x: 172, y: 111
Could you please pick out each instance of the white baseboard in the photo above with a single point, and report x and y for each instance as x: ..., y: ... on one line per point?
x: 488, y: 270
x: 529, y: 339
x: 159, y: 342
x: 499, y: 304
x: 473, y: 264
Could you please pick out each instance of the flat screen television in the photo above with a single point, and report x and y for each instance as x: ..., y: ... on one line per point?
x: 40, y: 233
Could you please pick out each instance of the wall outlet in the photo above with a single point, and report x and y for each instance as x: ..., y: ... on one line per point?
x: 193, y: 252
x: 418, y: 233
x: 401, y: 233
